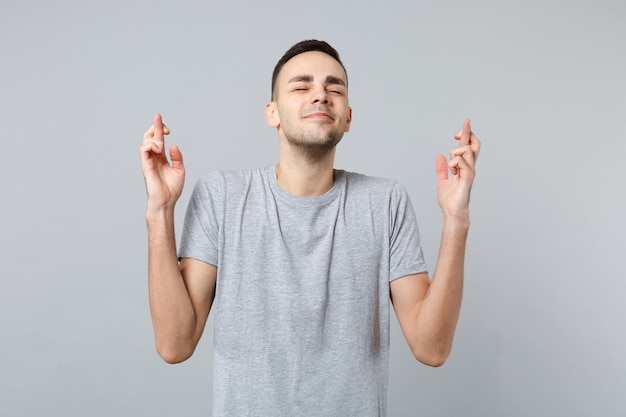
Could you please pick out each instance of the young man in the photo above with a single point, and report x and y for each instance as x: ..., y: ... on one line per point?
x: 299, y: 260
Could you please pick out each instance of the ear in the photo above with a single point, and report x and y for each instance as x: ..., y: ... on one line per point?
x: 271, y: 114
x: 349, y: 121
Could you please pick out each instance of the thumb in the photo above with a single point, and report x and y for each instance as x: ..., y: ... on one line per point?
x: 177, y: 157
x: 441, y: 165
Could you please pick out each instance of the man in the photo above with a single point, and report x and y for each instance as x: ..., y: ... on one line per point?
x: 300, y: 260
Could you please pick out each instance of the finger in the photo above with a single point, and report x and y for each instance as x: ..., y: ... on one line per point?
x: 158, y: 127
x: 459, y: 166
x: 454, y: 166
x: 177, y: 158
x: 475, y: 145
x: 466, y: 132
x: 148, y: 148
x: 457, y: 136
x: 461, y: 150
x: 457, y: 163
x: 465, y: 152
x: 149, y: 133
x: 441, y: 166
x: 154, y: 144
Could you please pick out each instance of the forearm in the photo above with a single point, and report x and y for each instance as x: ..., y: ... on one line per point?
x: 173, y: 315
x: 439, y: 311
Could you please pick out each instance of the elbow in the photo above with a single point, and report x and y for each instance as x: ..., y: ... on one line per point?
x: 434, y: 361
x: 173, y: 355
x: 434, y: 358
x: 173, y: 359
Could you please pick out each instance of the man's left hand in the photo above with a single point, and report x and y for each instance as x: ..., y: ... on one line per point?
x: 453, y: 190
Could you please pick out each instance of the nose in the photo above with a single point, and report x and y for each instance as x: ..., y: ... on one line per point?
x: 320, y: 96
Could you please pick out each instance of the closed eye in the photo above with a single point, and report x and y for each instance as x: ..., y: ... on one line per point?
x: 300, y: 87
x: 336, y: 90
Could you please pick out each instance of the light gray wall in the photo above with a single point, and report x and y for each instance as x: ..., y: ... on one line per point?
x: 542, y: 327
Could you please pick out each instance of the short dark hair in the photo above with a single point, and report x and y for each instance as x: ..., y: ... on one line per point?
x: 302, y: 47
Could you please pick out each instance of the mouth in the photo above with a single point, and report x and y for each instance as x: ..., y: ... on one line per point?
x: 319, y: 115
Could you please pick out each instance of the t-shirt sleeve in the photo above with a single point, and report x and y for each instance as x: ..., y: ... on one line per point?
x: 406, y: 256
x: 201, y: 229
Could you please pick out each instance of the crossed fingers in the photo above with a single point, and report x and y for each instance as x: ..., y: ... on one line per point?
x: 153, y: 139
x: 463, y: 158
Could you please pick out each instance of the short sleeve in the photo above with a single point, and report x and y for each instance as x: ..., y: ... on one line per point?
x: 201, y: 229
x: 406, y: 256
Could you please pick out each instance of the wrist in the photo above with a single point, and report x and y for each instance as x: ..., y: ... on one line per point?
x: 156, y: 212
x: 458, y: 221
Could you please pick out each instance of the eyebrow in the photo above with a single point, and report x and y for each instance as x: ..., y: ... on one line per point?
x: 330, y: 79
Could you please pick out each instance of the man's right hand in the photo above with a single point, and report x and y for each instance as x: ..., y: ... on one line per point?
x: 164, y: 182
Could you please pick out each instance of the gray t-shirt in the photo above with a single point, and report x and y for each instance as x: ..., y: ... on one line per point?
x: 301, y: 309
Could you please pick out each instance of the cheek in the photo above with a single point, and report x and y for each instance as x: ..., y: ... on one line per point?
x: 287, y: 113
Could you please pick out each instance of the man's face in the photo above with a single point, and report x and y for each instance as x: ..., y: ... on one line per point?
x: 310, y: 108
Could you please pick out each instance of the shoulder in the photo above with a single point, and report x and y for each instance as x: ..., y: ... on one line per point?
x: 231, y: 179
x: 375, y: 192
x: 370, y: 184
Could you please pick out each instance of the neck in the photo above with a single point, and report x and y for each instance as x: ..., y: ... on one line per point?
x: 305, y: 176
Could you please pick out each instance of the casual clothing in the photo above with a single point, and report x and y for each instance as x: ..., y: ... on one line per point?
x: 301, y: 309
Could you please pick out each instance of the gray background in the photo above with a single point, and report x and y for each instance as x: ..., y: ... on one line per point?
x: 541, y: 332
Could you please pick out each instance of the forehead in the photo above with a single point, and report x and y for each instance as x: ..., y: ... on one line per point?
x: 315, y: 63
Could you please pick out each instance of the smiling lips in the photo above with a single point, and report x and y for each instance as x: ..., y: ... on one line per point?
x: 319, y: 115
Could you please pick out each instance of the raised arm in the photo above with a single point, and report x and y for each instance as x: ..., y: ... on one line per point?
x: 427, y: 310
x: 180, y: 294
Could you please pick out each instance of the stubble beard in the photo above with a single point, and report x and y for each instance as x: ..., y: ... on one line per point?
x: 314, y: 147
